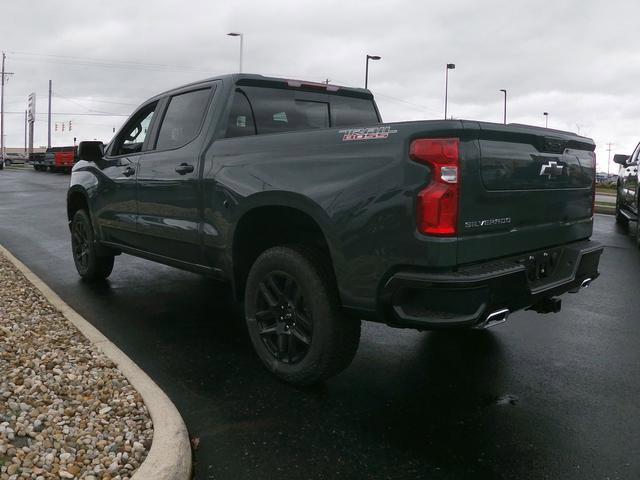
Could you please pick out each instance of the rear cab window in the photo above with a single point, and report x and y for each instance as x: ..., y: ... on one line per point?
x: 258, y: 110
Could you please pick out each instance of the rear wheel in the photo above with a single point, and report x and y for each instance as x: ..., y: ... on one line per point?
x: 90, y: 265
x: 294, y: 318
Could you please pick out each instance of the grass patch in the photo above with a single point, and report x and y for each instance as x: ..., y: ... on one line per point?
x: 606, y: 188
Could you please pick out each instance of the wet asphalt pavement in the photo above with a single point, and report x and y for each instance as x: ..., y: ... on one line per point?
x: 542, y: 396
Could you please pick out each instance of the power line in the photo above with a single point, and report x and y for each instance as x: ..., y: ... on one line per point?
x: 76, y: 113
x: 107, y: 63
x: 399, y: 100
x: 56, y: 94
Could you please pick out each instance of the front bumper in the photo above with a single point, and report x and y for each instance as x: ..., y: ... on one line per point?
x: 427, y: 301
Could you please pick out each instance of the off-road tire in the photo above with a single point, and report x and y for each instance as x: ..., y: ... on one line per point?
x: 620, y: 218
x: 334, y: 337
x: 91, y: 265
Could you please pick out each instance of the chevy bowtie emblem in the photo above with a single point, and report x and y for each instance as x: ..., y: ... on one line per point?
x: 551, y: 169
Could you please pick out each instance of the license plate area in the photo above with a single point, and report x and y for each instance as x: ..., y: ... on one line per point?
x: 541, y: 266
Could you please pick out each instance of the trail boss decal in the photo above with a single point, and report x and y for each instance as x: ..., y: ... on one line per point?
x: 370, y: 133
x: 487, y: 223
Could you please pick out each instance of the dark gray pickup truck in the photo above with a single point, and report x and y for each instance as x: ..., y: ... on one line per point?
x: 319, y: 215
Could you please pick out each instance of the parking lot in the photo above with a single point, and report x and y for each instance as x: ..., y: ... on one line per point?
x: 553, y: 396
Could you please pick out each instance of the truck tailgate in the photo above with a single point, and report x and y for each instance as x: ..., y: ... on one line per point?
x: 523, y: 188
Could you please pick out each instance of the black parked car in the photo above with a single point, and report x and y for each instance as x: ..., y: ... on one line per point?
x: 627, y: 201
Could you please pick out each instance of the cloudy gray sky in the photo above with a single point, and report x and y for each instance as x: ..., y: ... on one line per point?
x: 578, y: 60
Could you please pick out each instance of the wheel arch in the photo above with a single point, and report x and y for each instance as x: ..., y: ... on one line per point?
x: 77, y: 199
x: 277, y: 218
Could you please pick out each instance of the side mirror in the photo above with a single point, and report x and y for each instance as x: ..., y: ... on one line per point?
x: 620, y: 159
x: 90, y: 151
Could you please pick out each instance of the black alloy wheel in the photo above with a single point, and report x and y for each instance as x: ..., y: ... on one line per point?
x: 90, y: 263
x: 80, y: 244
x: 284, y: 324
x: 294, y: 317
x: 620, y: 218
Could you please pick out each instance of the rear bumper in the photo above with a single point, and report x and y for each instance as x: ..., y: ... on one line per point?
x: 467, y: 297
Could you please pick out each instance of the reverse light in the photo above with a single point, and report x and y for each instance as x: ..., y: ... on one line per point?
x: 437, y: 203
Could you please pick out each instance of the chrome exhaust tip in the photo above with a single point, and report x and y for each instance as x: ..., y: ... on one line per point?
x: 584, y: 284
x: 494, y: 318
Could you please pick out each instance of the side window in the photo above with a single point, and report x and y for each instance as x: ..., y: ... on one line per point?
x: 132, y: 137
x: 241, y: 122
x: 182, y: 121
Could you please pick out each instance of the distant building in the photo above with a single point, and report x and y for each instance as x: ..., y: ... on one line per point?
x: 21, y: 150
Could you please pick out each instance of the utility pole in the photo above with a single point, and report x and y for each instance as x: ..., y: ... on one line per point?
x: 3, y: 74
x: 609, y: 145
x: 31, y: 118
x: 49, y: 119
x: 25, y: 132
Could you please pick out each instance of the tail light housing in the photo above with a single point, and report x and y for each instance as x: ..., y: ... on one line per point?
x: 437, y: 203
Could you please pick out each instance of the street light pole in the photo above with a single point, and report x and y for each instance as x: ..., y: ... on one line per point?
x: 238, y: 34
x: 505, y: 105
x: 450, y: 66
x: 366, y: 69
x: 546, y: 119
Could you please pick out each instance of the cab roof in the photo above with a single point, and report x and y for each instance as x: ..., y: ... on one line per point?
x: 261, y: 80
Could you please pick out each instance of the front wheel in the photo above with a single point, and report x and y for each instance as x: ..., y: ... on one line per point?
x: 90, y: 265
x: 620, y: 218
x: 294, y: 318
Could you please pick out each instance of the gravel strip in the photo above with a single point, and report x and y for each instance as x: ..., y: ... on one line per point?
x: 66, y: 411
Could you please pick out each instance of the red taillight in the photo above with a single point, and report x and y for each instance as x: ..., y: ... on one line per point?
x: 437, y: 204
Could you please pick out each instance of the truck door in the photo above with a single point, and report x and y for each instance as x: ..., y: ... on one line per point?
x: 115, y: 207
x: 169, y: 204
x: 630, y: 181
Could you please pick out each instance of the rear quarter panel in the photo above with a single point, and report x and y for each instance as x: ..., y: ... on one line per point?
x: 360, y: 192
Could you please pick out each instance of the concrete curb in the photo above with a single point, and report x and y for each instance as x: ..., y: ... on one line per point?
x: 170, y: 455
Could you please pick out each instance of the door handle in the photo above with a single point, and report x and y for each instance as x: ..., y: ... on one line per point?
x: 127, y: 172
x: 184, y: 168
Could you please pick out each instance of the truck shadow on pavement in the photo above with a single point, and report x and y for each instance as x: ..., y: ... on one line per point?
x: 410, y: 403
